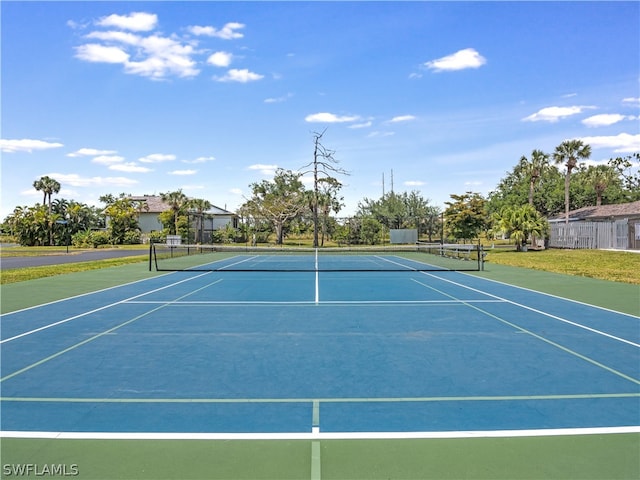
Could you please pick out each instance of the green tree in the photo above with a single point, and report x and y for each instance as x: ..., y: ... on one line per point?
x: 465, y: 216
x: 371, y: 231
x: 123, y: 224
x: 328, y: 201
x: 420, y: 215
x: 48, y: 186
x: 278, y: 201
x: 519, y: 223
x: 568, y: 153
x: 533, y: 169
x: 199, y: 208
x: 601, y: 177
x: 178, y: 203
x: 628, y: 169
x: 31, y: 225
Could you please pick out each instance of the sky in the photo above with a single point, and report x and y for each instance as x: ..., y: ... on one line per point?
x: 209, y: 97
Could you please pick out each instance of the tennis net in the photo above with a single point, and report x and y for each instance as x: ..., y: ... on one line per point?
x: 224, y: 258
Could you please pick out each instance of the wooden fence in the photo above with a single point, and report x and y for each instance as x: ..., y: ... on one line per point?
x: 619, y: 235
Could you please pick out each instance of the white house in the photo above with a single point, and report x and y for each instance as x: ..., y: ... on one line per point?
x: 152, y: 206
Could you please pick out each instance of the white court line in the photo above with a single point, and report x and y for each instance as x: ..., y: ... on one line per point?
x: 365, y: 303
x: 317, y: 298
x: 236, y: 263
x: 555, y: 317
x: 316, y: 401
x: 552, y: 295
x: 45, y: 327
x: 540, y: 337
x: 106, y: 332
x: 316, y: 434
x: 53, y: 302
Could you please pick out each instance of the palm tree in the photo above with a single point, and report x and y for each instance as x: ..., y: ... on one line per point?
x: 518, y: 223
x: 48, y: 186
x: 569, y: 152
x: 177, y: 201
x: 200, y: 206
x: 600, y: 177
x: 534, y: 169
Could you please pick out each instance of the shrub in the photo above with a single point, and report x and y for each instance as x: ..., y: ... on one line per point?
x: 132, y: 237
x: 90, y: 239
x: 157, y: 237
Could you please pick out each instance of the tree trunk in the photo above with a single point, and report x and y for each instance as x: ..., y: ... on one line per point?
x: 567, y: 179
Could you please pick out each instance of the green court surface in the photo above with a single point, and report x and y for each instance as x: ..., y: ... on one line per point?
x: 580, y: 457
x: 558, y: 456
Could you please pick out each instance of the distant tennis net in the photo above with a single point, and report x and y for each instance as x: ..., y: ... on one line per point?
x: 223, y: 258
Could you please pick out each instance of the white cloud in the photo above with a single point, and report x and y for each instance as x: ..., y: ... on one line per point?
x: 108, y: 159
x: 90, y: 152
x: 116, y: 37
x: 136, y: 21
x: 164, y: 57
x: 381, y: 134
x: 473, y: 183
x: 264, y: 169
x: 152, y: 56
x: 241, y: 76
x: 26, y: 145
x: 93, y: 52
x: 228, y: 32
x: 414, y: 183
x: 325, y: 117
x: 235, y: 191
x: 200, y: 160
x: 155, y: 55
x: 361, y: 125
x: 130, y: 167
x: 283, y: 98
x: 402, y: 118
x: 220, y: 59
x: 553, y: 114
x: 75, y: 180
x: 462, y: 59
x: 183, y: 172
x: 157, y: 158
x: 621, y: 143
x: 603, y: 119
x: 633, y: 100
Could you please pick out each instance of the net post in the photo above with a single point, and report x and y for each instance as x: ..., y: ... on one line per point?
x: 150, y: 254
x: 480, y: 257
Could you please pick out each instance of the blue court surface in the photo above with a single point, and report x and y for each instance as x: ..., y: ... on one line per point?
x: 313, y: 354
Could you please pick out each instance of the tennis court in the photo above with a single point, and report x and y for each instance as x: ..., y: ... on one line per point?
x: 308, y: 358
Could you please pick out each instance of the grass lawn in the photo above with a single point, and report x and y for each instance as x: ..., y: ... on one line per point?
x: 600, y: 264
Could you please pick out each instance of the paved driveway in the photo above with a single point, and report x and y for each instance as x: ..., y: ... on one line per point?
x: 8, y: 263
